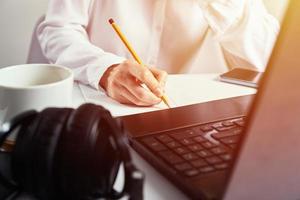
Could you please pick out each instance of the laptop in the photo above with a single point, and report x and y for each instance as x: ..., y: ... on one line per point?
x: 234, y: 149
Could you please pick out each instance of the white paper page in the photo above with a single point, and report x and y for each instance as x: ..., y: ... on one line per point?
x: 181, y: 90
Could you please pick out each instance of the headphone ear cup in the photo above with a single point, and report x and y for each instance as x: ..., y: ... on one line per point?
x: 34, y: 150
x: 76, y: 149
x: 44, y: 144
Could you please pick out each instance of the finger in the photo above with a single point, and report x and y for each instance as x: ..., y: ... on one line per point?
x: 123, y: 95
x: 160, y: 75
x: 145, y: 76
x: 123, y: 100
x: 142, y: 94
x: 139, y: 102
x: 117, y: 93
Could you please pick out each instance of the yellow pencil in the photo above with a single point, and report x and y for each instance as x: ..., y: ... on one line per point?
x: 133, y: 53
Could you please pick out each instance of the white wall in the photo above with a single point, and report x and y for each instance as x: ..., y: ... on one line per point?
x: 17, y: 19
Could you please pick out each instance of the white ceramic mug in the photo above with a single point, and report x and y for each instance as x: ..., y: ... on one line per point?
x: 34, y: 86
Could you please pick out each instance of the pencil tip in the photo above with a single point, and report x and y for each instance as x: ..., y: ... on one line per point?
x: 168, y: 105
x: 111, y: 21
x: 165, y: 100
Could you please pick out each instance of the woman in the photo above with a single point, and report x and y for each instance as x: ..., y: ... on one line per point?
x: 165, y: 33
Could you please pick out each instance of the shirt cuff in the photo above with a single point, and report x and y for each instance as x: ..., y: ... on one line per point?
x: 97, y: 72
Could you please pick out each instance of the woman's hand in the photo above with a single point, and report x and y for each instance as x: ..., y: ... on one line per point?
x: 123, y: 82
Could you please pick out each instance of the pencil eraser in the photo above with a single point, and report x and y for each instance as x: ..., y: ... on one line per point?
x: 111, y: 21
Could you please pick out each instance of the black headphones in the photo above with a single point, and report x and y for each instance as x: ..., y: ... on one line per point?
x: 63, y: 153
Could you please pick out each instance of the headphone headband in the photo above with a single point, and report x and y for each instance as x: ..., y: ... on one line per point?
x: 134, y: 178
x: 6, y: 130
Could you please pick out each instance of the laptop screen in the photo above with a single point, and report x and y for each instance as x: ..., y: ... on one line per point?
x: 267, y: 165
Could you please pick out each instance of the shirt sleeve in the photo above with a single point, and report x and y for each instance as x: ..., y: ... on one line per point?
x: 64, y: 41
x: 245, y: 30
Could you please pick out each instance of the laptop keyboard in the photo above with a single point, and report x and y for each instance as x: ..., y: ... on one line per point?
x: 199, y: 149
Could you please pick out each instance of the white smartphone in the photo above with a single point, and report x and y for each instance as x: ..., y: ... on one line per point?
x: 241, y: 76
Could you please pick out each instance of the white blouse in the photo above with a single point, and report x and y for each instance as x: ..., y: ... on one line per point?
x: 168, y: 34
